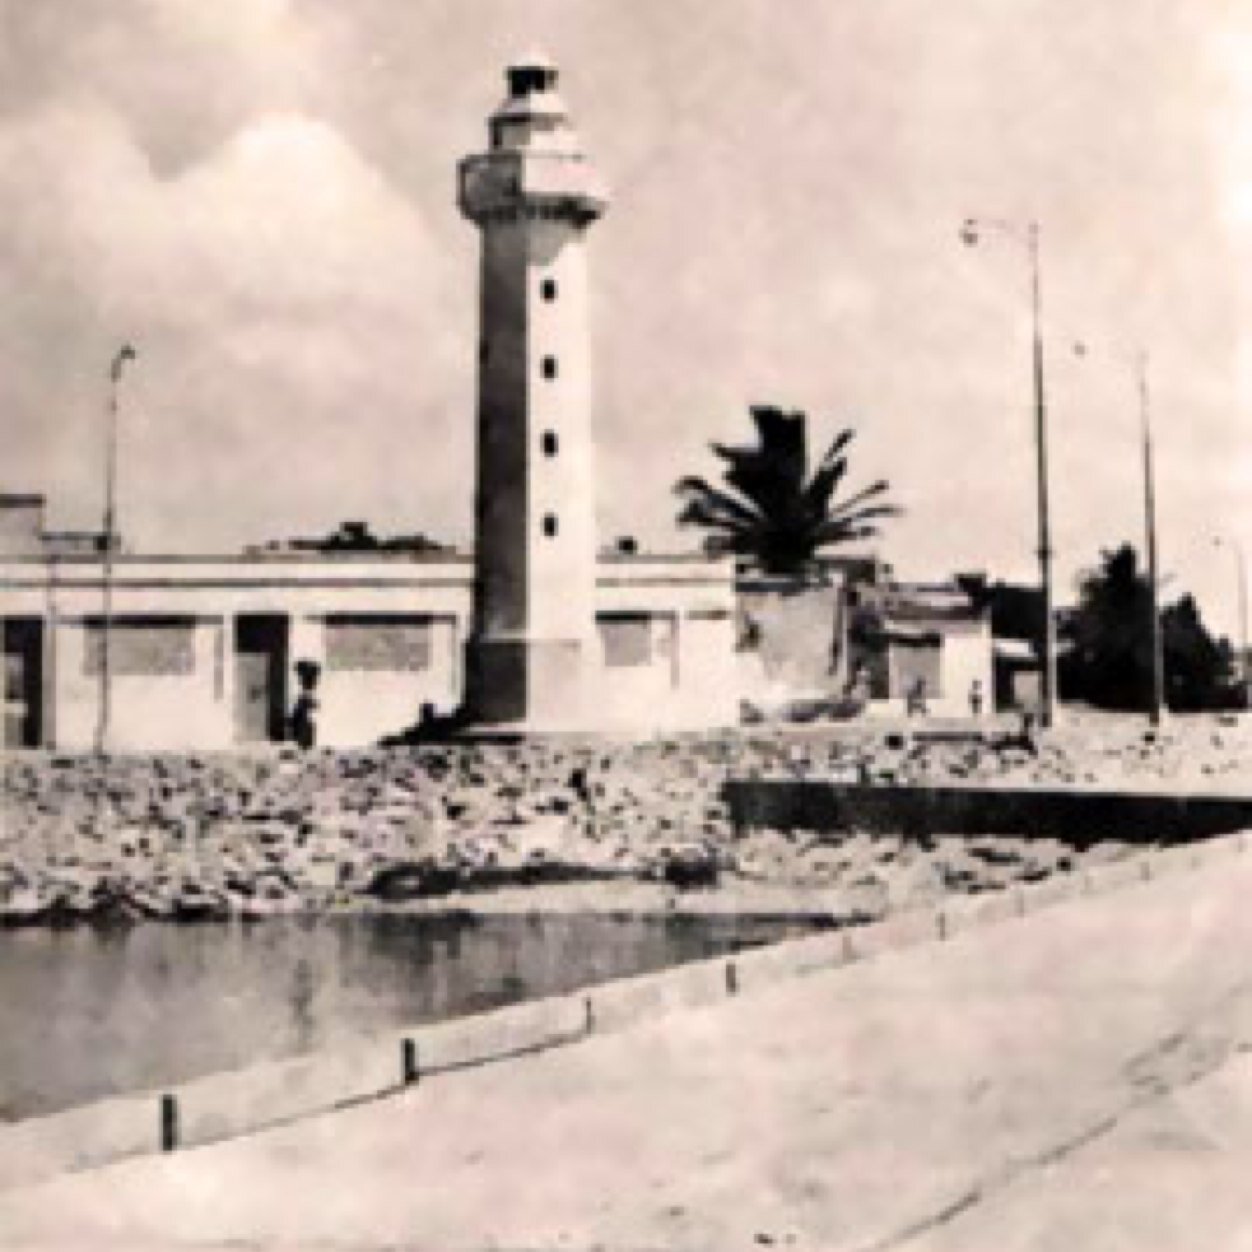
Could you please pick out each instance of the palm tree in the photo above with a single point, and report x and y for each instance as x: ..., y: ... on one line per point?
x: 773, y: 512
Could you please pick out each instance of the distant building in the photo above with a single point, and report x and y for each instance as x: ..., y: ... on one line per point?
x: 911, y: 645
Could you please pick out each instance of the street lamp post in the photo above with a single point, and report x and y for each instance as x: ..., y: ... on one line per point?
x: 1157, y: 705
x: 109, y: 537
x: 1156, y: 644
x: 1241, y: 586
x: 970, y: 234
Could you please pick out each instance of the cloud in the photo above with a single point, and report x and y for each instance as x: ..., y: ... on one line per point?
x: 182, y: 73
x: 287, y: 302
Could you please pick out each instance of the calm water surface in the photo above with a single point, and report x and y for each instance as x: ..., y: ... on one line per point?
x: 88, y: 1013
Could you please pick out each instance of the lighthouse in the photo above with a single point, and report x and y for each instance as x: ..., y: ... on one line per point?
x: 532, y: 655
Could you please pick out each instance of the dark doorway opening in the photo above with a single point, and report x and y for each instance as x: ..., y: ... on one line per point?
x: 23, y: 682
x: 261, y: 678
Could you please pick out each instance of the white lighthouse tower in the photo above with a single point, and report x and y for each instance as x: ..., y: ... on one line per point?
x: 533, y: 194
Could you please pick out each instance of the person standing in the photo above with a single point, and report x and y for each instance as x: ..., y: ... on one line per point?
x: 304, y: 714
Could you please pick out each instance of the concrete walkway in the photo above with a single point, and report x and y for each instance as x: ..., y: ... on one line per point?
x: 1078, y: 1079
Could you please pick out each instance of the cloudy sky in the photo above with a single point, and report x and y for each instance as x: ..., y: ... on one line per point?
x: 259, y: 195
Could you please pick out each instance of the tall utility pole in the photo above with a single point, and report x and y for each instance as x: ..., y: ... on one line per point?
x: 109, y: 538
x: 1048, y: 677
x: 1156, y: 706
x: 970, y: 234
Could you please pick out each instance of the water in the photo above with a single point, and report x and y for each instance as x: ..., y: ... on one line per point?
x: 89, y: 1013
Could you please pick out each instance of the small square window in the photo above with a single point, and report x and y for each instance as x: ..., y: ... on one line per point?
x: 549, y: 367
x: 549, y: 525
x: 547, y: 289
x: 549, y: 443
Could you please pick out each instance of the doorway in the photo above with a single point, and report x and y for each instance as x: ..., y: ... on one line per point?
x: 260, y: 678
x: 23, y: 682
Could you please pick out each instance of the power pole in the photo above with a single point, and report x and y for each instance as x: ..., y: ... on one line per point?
x: 1048, y: 683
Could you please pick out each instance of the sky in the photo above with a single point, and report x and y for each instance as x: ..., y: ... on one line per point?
x: 259, y: 195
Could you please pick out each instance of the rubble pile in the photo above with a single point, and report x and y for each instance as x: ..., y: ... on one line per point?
x: 194, y: 838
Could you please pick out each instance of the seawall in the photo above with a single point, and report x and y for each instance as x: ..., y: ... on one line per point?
x: 1081, y: 816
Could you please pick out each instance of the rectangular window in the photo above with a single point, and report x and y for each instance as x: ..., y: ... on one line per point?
x: 141, y: 647
x: 367, y: 643
x: 627, y: 639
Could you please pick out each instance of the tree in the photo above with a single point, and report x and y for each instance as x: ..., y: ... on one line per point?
x: 771, y: 510
x: 1110, y: 661
x: 1198, y: 668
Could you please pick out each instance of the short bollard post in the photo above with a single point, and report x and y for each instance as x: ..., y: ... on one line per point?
x: 941, y: 924
x: 1020, y: 901
x: 732, y: 978
x: 409, y: 1069
x: 849, y: 952
x: 589, y: 1016
x: 169, y: 1123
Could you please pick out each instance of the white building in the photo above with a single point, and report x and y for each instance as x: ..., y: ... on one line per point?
x: 202, y: 651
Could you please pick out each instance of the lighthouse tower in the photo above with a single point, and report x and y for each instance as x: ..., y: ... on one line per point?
x: 532, y: 194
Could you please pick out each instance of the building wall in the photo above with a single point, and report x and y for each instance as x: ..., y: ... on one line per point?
x: 964, y: 657
x: 389, y: 636
x: 369, y: 692
x: 789, y: 639
x: 967, y: 659
x: 179, y: 705
x: 673, y: 665
x: 175, y: 706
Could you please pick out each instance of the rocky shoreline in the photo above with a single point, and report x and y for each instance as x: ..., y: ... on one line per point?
x: 189, y: 838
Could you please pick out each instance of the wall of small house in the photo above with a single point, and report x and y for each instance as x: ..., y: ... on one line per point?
x: 709, y: 694
x: 964, y: 657
x: 788, y: 637
x: 156, y: 705
x: 638, y: 672
x: 192, y: 704
x: 967, y: 660
x: 367, y: 692
x: 685, y: 678
x: 665, y: 639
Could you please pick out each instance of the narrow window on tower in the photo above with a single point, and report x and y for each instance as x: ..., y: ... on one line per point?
x: 547, y: 289
x: 549, y: 367
x: 549, y: 525
x: 549, y: 443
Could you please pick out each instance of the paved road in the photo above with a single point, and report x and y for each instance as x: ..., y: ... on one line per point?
x: 1078, y: 1079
